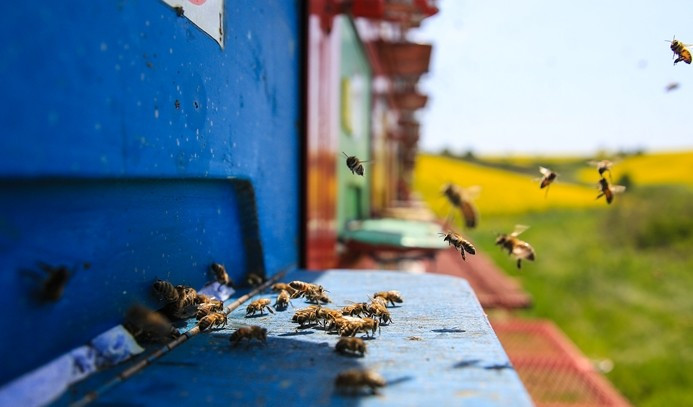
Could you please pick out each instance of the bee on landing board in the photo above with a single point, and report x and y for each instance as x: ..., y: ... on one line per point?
x: 165, y: 290
x: 149, y: 326
x: 350, y: 346
x: 389, y: 296
x: 217, y: 319
x: 283, y: 300
x: 608, y: 191
x: 355, y: 165
x: 547, y: 177
x: 461, y: 198
x: 259, y: 306
x: 680, y: 50
x: 249, y: 333
x: 354, y: 380
x: 517, y: 248
x: 459, y: 243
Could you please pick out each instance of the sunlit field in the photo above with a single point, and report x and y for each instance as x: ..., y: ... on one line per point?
x: 649, y: 169
x: 502, y: 192
x: 616, y: 278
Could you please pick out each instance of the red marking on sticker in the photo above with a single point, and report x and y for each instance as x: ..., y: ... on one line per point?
x: 197, y: 2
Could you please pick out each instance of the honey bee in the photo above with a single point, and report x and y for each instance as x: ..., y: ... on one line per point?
x: 259, y: 306
x: 145, y: 324
x: 302, y: 287
x: 217, y: 319
x: 378, y: 310
x: 350, y: 346
x: 283, y: 300
x: 459, y: 243
x: 547, y: 177
x: 186, y: 305
x: 680, y: 50
x: 278, y: 287
x: 207, y: 308
x: 327, y: 315
x: 461, y: 199
x: 355, y: 165
x: 249, y: 333
x: 220, y: 274
x: 353, y: 380
x: 53, y: 285
x: 356, y: 310
x: 354, y: 326
x: 602, y: 166
x: 608, y: 191
x: 254, y: 279
x: 390, y: 296
x: 519, y: 249
x: 317, y: 297
x: 306, y: 316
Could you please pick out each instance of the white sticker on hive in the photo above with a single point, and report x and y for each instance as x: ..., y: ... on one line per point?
x: 208, y: 15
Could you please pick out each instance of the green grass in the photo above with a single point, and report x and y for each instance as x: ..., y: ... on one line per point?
x: 618, y: 282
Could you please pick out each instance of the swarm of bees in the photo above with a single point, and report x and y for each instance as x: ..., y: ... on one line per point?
x: 517, y: 248
x: 459, y: 243
x: 355, y: 380
x: 354, y: 164
x: 680, y: 51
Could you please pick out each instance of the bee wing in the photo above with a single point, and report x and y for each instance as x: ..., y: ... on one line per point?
x: 470, y: 214
x: 617, y: 189
x: 544, y: 171
x: 470, y: 193
x: 518, y: 230
x: 523, y: 250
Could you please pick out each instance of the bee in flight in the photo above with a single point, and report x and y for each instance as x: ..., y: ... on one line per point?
x: 680, y: 50
x: 355, y: 165
x: 602, y: 166
x: 461, y: 198
x: 608, y: 191
x: 220, y: 274
x: 460, y: 243
x: 517, y: 248
x: 547, y: 177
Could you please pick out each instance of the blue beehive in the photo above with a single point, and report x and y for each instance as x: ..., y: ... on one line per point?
x: 129, y: 138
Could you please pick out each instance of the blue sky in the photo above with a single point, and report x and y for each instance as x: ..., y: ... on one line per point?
x: 557, y: 76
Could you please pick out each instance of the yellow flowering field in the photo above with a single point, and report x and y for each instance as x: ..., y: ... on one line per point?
x: 502, y: 192
x: 647, y: 169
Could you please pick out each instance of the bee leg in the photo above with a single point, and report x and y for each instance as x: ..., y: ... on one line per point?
x: 519, y: 264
